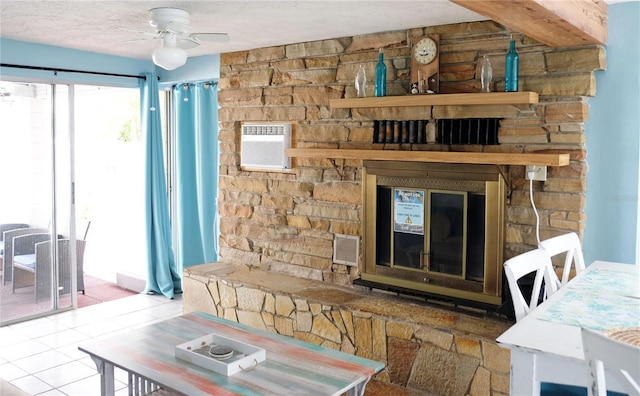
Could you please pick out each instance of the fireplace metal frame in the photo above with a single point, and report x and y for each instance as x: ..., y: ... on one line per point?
x: 486, y: 179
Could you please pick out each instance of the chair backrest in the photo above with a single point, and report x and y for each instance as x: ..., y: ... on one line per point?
x: 621, y: 360
x: 7, y: 261
x: 9, y: 227
x: 570, y: 244
x: 26, y: 244
x: 44, y: 265
x: 535, y: 261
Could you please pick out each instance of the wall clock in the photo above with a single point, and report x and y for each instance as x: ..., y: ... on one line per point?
x: 425, y: 64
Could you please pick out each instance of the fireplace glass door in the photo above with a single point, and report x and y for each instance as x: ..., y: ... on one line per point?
x: 451, y: 243
x: 447, y: 233
x: 434, y: 228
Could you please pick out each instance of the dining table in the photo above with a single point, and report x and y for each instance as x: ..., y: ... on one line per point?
x: 546, y: 345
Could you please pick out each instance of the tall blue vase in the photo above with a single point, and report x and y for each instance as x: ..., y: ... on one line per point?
x: 511, y: 68
x: 381, y: 76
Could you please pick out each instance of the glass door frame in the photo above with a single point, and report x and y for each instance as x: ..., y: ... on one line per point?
x: 60, y: 120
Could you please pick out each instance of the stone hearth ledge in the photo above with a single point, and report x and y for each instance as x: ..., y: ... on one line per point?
x: 428, y: 347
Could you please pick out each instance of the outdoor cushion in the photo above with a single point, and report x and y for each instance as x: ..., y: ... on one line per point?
x: 26, y: 260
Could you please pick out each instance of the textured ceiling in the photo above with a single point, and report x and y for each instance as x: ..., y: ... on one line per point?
x: 108, y: 26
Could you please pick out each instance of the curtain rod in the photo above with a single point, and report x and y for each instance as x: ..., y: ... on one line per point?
x: 56, y: 70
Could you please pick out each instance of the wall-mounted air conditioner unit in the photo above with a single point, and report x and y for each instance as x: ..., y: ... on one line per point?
x: 263, y: 146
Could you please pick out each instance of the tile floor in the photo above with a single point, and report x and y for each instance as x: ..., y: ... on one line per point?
x: 20, y: 302
x: 41, y: 356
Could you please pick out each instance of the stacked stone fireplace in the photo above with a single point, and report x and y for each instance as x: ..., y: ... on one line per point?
x: 277, y: 228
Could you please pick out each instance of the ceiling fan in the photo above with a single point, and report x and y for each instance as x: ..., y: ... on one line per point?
x: 172, y: 26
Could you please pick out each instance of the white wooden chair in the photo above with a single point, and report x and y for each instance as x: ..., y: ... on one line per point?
x: 570, y: 245
x: 536, y: 261
x: 622, y: 361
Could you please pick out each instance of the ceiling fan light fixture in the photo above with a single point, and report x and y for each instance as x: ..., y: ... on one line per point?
x: 169, y: 56
x: 173, y: 26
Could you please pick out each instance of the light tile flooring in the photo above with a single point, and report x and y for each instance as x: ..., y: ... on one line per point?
x: 41, y: 356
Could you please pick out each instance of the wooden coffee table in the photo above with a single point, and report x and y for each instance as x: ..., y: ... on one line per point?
x: 292, y: 367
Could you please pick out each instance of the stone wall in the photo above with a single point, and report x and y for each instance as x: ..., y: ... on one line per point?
x: 285, y: 221
x: 427, y: 350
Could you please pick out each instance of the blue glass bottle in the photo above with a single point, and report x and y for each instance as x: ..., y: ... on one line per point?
x: 511, y: 68
x: 381, y: 75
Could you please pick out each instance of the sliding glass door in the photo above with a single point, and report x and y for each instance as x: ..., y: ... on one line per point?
x: 36, y: 208
x: 72, y: 160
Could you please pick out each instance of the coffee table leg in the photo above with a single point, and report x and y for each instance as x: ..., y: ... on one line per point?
x: 107, y: 380
x: 358, y: 389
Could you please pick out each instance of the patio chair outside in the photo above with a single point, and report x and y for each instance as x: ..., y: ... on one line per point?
x: 7, y: 257
x: 9, y: 227
x: 3, y: 228
x: 24, y: 258
x: 44, y: 267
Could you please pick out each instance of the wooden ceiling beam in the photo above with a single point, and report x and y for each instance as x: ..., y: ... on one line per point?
x: 566, y: 23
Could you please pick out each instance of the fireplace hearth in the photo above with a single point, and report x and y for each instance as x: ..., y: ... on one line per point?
x: 434, y: 230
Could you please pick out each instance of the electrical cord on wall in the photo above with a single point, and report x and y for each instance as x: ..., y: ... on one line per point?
x: 534, y: 206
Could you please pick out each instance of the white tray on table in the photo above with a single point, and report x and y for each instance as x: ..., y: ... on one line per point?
x: 244, y: 357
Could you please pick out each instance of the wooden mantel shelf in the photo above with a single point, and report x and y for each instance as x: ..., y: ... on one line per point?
x: 489, y: 98
x: 542, y: 159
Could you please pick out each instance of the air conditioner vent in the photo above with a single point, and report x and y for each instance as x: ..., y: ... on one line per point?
x: 281, y: 129
x: 263, y: 146
x: 346, y: 249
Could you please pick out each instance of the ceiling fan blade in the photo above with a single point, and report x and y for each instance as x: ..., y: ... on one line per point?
x: 187, y: 43
x: 140, y: 39
x: 210, y: 37
x: 141, y: 32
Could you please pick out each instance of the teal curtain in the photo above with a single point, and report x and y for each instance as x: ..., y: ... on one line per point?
x: 197, y: 171
x: 163, y: 276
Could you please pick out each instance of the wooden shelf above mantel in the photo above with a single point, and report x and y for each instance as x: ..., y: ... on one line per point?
x: 541, y: 159
x: 462, y: 99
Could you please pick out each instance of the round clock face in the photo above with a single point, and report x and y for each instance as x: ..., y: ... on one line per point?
x: 425, y: 51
